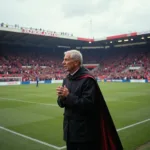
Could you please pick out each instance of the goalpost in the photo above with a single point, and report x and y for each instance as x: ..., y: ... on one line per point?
x: 10, y: 81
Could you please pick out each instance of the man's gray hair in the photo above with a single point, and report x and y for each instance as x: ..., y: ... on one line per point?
x: 75, y: 55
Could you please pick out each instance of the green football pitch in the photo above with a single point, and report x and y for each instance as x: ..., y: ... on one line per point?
x: 30, y: 118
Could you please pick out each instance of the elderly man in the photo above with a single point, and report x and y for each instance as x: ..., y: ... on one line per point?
x: 87, y: 122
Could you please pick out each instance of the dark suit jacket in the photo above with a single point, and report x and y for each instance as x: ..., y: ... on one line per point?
x: 86, y: 116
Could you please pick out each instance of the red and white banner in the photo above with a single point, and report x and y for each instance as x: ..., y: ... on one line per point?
x: 10, y: 83
x: 38, y: 32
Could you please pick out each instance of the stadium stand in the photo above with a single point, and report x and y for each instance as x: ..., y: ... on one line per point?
x: 127, y: 64
x: 28, y: 54
x: 35, y: 29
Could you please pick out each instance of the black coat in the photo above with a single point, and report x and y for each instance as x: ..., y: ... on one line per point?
x: 86, y: 116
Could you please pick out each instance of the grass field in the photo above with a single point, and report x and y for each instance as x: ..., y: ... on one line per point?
x: 31, y: 120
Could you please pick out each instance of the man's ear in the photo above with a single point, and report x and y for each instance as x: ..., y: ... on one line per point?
x: 77, y: 63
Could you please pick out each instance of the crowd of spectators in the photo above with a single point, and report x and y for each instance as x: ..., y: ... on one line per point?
x: 28, y: 65
x: 16, y: 26
x: 126, y: 66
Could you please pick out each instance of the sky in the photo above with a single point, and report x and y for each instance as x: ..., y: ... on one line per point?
x: 83, y: 18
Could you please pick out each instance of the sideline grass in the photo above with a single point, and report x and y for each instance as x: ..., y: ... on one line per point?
x: 128, y: 103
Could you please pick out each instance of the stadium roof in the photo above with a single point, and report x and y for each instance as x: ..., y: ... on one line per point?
x: 42, y: 38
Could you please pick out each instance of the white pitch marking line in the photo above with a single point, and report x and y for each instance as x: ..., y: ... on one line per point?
x: 59, y: 148
x: 132, y: 125
x: 63, y: 147
x: 11, y: 99
x: 32, y: 139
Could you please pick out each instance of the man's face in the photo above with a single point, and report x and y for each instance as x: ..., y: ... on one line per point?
x: 69, y: 64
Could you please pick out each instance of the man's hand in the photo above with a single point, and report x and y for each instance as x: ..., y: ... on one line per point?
x: 62, y: 91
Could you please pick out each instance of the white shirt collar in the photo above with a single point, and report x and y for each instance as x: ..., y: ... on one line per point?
x: 75, y: 72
